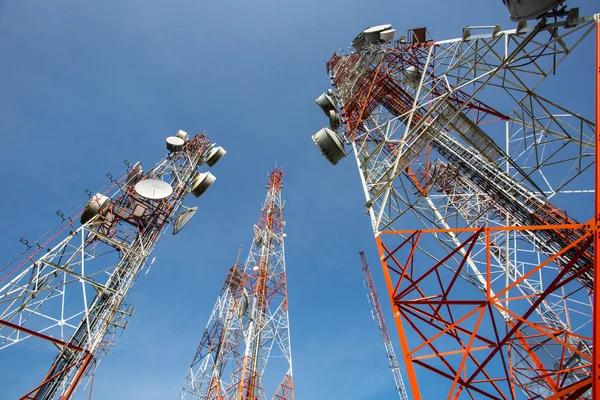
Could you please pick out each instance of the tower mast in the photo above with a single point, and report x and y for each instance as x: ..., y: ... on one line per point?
x: 490, y: 279
x: 250, y: 322
x: 387, y: 341
x: 70, y: 288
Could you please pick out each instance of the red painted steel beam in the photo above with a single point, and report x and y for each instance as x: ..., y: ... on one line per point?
x: 39, y: 335
x: 595, y: 324
x: 80, y: 372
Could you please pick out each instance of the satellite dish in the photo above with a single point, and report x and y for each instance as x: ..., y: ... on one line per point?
x: 255, y: 268
x: 373, y: 35
x: 153, y: 189
x: 523, y: 10
x: 413, y: 73
x: 175, y: 143
x: 243, y: 305
x: 201, y: 182
x: 326, y: 103
x: 182, y: 219
x: 378, y: 28
x: 215, y: 155
x: 181, y: 134
x: 387, y: 35
x: 96, y: 204
x: 135, y: 174
x: 257, y: 235
x: 334, y: 120
x: 330, y: 144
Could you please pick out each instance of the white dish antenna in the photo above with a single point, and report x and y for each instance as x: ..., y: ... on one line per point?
x: 326, y: 103
x: 182, y: 219
x: 153, y: 189
x: 373, y: 35
x: 334, y: 120
x: 330, y: 144
x: 215, y: 155
x: 201, y: 182
x: 243, y: 305
x: 522, y: 10
x: 181, y: 134
x: 387, y: 35
x: 135, y: 174
x: 175, y: 143
x: 257, y: 235
x: 378, y: 28
x: 96, y: 204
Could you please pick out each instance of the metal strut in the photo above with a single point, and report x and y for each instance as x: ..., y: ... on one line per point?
x: 387, y: 341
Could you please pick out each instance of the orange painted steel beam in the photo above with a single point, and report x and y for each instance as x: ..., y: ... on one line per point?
x: 405, y: 349
x: 407, y: 311
x: 285, y: 390
x: 586, y: 226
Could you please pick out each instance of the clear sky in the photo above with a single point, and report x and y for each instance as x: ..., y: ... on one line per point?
x: 85, y: 85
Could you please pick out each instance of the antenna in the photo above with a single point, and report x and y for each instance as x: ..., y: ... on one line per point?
x: 377, y: 315
x: 183, y: 219
x: 249, y: 324
x: 237, y: 261
x: 153, y: 189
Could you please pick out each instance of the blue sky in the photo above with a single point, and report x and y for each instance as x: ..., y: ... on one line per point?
x: 86, y: 85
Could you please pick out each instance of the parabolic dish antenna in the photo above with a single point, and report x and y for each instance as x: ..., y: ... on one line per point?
x: 153, y: 189
x: 243, y: 306
x: 182, y: 219
x: 175, y: 143
x: 378, y: 28
x: 135, y: 174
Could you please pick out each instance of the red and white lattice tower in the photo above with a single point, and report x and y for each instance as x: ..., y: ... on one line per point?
x: 479, y: 192
x: 70, y: 288
x: 387, y: 340
x: 249, y: 325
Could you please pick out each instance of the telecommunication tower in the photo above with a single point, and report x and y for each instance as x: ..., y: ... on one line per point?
x: 249, y: 324
x: 70, y: 288
x: 378, y: 316
x: 476, y: 183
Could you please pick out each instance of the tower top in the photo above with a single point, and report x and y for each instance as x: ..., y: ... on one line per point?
x: 276, y: 180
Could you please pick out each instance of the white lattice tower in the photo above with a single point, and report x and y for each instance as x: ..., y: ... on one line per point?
x: 71, y: 287
x: 476, y: 102
x: 249, y: 324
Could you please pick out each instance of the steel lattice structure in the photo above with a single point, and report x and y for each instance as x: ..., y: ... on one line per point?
x: 492, y: 289
x: 71, y: 287
x: 387, y: 340
x: 249, y: 324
